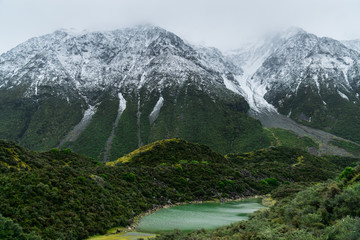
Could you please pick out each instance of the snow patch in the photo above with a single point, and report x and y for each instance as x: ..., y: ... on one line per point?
x: 122, y: 103
x: 230, y: 85
x: 108, y: 144
x: 156, y: 111
x: 138, y: 116
x: 315, y: 77
x: 343, y: 95
x: 80, y: 127
x: 297, y: 87
x: 142, y: 80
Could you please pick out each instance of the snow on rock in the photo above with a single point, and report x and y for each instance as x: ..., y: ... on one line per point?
x: 343, y: 95
x: 231, y: 85
x: 156, y: 111
x: 108, y: 144
x: 80, y: 127
x: 124, y: 59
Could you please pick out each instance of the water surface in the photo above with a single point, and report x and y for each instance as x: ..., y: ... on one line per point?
x: 192, y: 217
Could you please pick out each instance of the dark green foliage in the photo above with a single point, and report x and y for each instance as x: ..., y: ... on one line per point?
x: 325, y: 211
x: 193, y: 115
x: 347, y: 173
x: 271, y: 181
x: 92, y: 140
x: 126, y: 139
x: 287, y: 164
x: 348, y: 146
x: 12, y: 231
x: 339, y: 116
x: 66, y: 196
x: 129, y: 176
x: 38, y: 123
x: 53, y: 119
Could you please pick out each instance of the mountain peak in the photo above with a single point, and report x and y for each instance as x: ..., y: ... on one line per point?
x: 291, y: 31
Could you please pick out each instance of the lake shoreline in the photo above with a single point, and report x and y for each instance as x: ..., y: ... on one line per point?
x: 137, y: 218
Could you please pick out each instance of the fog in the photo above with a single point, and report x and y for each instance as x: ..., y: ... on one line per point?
x: 224, y: 24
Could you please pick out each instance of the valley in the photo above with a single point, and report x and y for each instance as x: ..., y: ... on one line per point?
x: 68, y: 196
x: 100, y: 127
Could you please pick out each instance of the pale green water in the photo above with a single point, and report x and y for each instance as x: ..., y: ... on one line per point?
x: 191, y: 217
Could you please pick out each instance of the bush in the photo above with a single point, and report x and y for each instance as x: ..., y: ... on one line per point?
x: 347, y: 174
x: 229, y: 182
x: 221, y: 184
x: 346, y: 228
x: 270, y: 181
x: 67, y: 150
x: 129, y: 176
x: 11, y: 230
x: 55, y: 150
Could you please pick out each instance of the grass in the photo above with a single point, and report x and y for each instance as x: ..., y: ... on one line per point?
x: 351, y: 147
x: 123, y: 235
x: 282, y: 137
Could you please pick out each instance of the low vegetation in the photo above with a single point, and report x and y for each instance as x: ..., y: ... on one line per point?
x: 321, y: 211
x: 282, y: 137
x: 62, y: 195
x: 351, y: 147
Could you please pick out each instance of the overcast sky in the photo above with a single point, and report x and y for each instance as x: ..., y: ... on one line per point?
x: 224, y: 24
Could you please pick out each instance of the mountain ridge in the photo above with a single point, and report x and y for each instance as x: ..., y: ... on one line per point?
x: 68, y: 89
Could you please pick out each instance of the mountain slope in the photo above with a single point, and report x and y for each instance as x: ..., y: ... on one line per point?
x: 314, y: 81
x: 352, y: 44
x: 106, y: 93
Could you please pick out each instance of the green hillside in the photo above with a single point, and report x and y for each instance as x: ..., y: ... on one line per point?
x: 62, y: 195
x: 321, y: 211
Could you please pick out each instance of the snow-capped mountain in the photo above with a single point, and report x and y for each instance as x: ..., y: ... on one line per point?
x: 250, y: 58
x: 107, y: 93
x: 96, y: 60
x: 139, y: 72
x: 310, y: 79
x: 352, y: 44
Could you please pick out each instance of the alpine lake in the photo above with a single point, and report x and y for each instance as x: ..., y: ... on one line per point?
x: 188, y: 217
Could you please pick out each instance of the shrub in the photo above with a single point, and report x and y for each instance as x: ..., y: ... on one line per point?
x: 67, y: 150
x: 11, y: 230
x: 82, y: 178
x: 221, y: 184
x: 129, y: 176
x: 272, y: 181
x: 229, y: 182
x: 182, y: 180
x: 55, y: 150
x: 264, y: 181
x: 347, y: 174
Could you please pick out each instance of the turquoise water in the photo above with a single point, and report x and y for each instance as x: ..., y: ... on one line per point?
x: 191, y: 217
